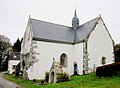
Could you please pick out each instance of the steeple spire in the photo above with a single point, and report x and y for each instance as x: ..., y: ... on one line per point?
x: 75, y: 21
x: 75, y: 14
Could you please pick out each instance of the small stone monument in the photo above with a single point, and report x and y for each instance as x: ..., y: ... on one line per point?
x: 55, y: 69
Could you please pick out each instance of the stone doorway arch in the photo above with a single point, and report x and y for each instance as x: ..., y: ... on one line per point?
x: 75, y: 68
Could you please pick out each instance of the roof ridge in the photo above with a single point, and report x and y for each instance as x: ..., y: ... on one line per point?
x: 91, y: 20
x: 51, y: 23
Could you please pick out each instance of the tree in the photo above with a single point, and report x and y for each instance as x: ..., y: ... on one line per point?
x: 5, y: 48
x: 17, y: 48
x: 17, y: 45
x: 117, y: 52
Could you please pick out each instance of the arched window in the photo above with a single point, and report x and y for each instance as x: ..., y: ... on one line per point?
x: 63, y: 60
x: 103, y: 60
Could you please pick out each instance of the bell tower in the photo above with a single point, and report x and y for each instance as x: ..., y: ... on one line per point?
x: 75, y: 21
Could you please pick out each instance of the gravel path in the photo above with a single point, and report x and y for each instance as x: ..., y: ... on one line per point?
x: 7, y: 84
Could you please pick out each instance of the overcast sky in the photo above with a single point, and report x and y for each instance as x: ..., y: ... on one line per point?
x: 14, y: 14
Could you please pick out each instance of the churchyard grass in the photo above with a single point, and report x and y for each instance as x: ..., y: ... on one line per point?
x: 85, y: 81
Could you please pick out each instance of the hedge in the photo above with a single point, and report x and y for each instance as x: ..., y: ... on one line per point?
x: 108, y: 70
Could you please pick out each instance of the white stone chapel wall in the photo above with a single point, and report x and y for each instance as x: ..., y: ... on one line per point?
x: 48, y: 51
x: 10, y: 65
x: 99, y: 45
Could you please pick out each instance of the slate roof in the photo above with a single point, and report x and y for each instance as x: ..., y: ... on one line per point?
x: 51, y: 32
x: 84, y: 30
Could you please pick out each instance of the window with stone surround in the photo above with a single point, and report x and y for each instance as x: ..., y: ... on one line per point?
x: 103, y: 60
x: 63, y: 60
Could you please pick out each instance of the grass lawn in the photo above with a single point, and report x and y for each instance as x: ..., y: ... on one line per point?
x: 86, y: 81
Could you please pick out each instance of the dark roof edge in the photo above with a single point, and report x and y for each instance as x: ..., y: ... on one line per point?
x: 55, y: 41
x: 79, y: 42
x: 52, y: 41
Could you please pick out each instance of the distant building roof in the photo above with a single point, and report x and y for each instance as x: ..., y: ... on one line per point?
x: 51, y: 32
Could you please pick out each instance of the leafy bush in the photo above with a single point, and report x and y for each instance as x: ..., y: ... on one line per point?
x: 108, y: 70
x: 63, y: 77
x: 34, y: 80
x: 117, y: 52
x: 17, y: 70
x: 42, y: 82
x: 47, y: 77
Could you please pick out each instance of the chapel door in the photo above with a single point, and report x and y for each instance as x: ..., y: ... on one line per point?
x: 75, y: 69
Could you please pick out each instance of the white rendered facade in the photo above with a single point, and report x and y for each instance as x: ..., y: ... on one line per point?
x: 11, y: 65
x: 39, y: 54
x: 48, y: 51
x: 100, y: 45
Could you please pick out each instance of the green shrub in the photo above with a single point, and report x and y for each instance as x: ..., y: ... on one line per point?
x: 42, y: 82
x: 63, y: 77
x: 47, y: 77
x: 34, y: 80
x: 17, y: 70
